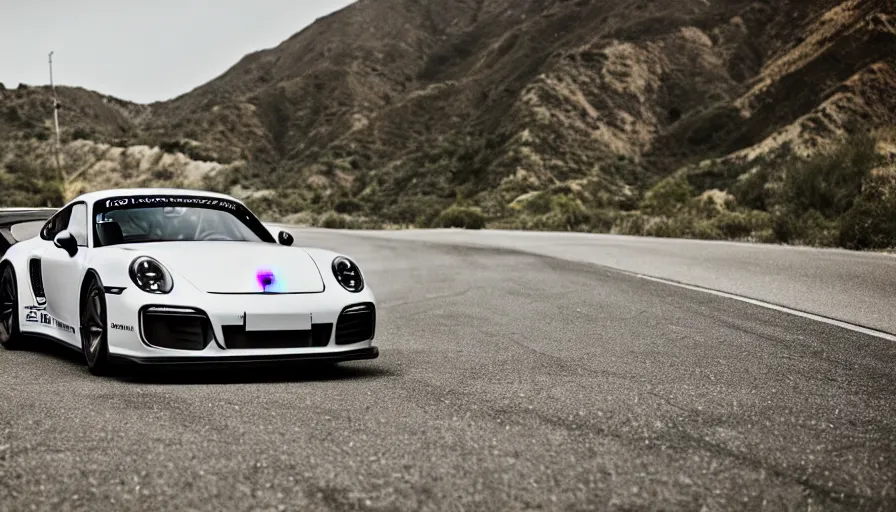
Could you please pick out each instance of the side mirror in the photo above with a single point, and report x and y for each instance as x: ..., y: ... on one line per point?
x: 285, y: 238
x: 65, y: 240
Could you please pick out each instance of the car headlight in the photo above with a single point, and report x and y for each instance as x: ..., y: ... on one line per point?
x: 348, y: 274
x: 150, y: 276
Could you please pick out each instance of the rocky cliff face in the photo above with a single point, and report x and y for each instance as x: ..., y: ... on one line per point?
x: 395, y: 108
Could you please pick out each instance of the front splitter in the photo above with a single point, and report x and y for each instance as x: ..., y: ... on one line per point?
x: 226, y: 361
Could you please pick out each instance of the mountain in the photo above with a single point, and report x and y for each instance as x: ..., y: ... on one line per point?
x: 666, y: 117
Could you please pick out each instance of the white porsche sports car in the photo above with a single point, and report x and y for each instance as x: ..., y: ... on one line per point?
x: 180, y: 276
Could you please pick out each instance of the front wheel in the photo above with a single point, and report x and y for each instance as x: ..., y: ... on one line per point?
x: 10, y: 336
x: 94, y: 338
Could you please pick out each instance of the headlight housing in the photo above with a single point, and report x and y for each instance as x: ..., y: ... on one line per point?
x: 348, y: 274
x: 150, y: 276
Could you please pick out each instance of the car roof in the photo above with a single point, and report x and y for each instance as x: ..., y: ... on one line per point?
x: 99, y: 195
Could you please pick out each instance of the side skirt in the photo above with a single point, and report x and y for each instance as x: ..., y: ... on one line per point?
x: 55, y: 340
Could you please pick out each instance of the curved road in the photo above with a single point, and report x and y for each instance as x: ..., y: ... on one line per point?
x: 506, y: 381
x: 849, y: 286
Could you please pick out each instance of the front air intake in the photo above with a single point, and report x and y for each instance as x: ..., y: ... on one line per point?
x: 175, y: 328
x: 356, y: 323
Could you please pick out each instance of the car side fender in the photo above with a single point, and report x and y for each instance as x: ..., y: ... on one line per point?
x: 18, y: 256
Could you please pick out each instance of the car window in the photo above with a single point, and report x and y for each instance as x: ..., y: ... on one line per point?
x: 77, y: 224
x: 56, y: 224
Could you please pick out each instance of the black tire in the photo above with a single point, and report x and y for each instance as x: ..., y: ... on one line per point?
x: 94, y: 330
x: 10, y: 335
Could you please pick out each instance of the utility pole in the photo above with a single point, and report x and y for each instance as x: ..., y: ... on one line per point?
x: 56, y: 120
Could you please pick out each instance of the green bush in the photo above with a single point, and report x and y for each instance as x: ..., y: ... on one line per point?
x: 348, y: 205
x: 681, y: 226
x: 741, y: 225
x: 830, y: 181
x: 192, y: 150
x: 41, y: 134
x: 538, y: 204
x: 408, y: 212
x: 335, y: 220
x: 173, y: 146
x: 871, y: 222
x: 81, y: 133
x: 28, y: 185
x: 752, y: 189
x: 666, y: 227
x: 561, y: 212
x: 630, y: 223
x: 569, y: 210
x: 460, y: 217
x: 282, y: 204
x: 809, y: 228
x: 703, y: 230
x: 705, y: 207
x: 602, y: 221
x: 668, y: 196
x: 427, y: 216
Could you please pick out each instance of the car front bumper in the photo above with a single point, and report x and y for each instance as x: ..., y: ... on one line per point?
x: 129, y: 340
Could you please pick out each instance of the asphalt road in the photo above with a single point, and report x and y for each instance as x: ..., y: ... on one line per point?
x: 506, y: 381
x: 845, y: 285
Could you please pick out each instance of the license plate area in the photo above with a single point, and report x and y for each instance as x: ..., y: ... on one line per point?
x: 260, y: 322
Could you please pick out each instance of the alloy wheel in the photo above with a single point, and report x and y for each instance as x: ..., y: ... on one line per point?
x: 92, y: 324
x: 7, y: 303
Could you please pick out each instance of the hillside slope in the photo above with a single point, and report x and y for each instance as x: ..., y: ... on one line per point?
x: 397, y: 109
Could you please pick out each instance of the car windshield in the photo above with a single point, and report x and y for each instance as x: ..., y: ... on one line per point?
x: 175, y: 219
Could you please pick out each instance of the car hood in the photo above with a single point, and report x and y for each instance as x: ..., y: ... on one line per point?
x: 237, y: 267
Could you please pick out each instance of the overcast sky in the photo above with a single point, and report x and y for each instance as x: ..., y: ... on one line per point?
x: 142, y: 50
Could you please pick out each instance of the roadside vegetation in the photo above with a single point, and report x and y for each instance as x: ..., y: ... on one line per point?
x: 24, y: 184
x: 844, y: 196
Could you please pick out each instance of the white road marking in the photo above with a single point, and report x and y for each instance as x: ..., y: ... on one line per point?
x: 817, y: 318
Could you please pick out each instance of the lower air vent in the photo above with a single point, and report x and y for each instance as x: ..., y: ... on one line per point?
x: 236, y: 337
x: 176, y: 328
x: 37, y: 279
x: 320, y: 334
x: 356, y: 323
